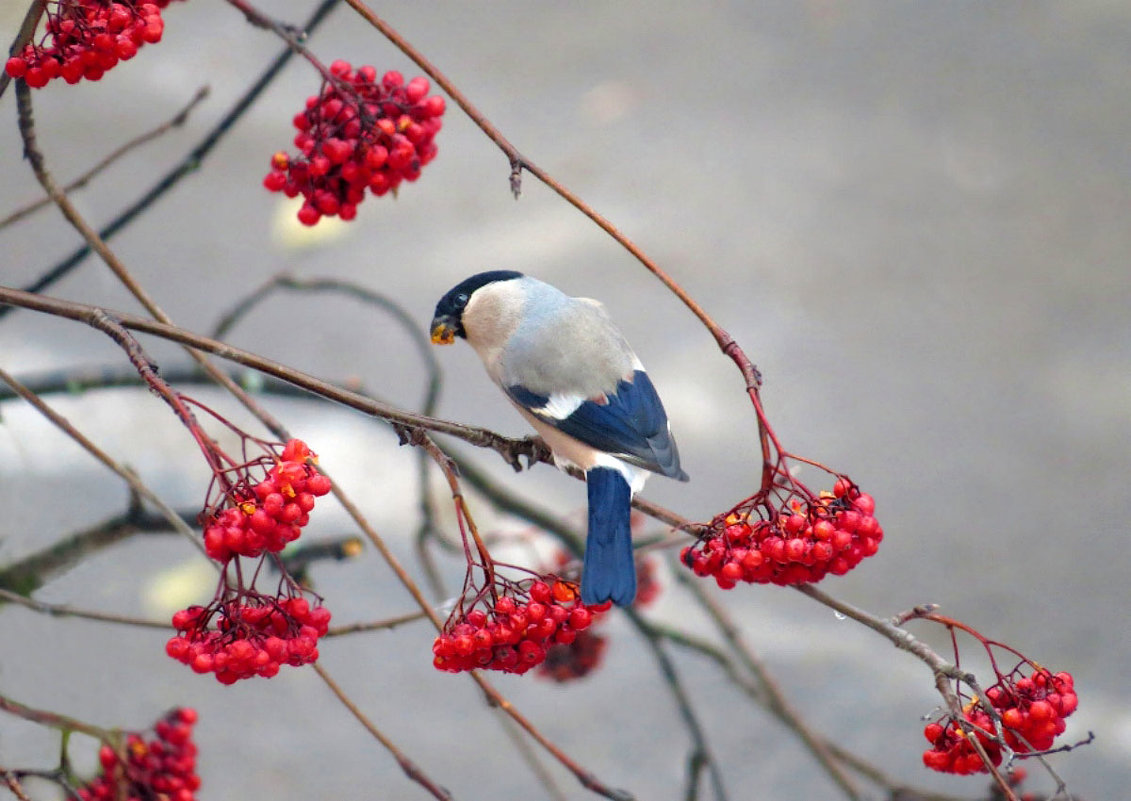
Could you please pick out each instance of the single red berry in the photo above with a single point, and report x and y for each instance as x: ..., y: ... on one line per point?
x: 580, y: 618
x: 416, y: 89
x: 434, y: 106
x: 731, y: 572
x: 275, y: 181
x: 505, y: 605
x: 308, y: 215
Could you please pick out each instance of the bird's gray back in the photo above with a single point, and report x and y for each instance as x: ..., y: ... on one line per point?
x: 565, y: 344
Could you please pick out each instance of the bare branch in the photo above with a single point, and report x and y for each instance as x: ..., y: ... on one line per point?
x: 187, y: 165
x: 78, y: 183
x: 126, y: 474
x: 410, y: 768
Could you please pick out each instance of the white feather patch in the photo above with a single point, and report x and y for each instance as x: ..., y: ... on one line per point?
x: 634, y: 475
x: 559, y: 407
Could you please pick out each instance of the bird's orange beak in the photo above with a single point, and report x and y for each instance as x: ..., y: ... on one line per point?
x: 443, y: 331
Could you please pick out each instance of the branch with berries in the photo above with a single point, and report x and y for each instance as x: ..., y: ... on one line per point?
x: 362, y: 135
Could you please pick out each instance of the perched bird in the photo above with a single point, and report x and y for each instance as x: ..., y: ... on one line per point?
x: 572, y: 375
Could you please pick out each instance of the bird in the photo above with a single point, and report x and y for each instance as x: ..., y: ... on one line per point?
x: 566, y: 367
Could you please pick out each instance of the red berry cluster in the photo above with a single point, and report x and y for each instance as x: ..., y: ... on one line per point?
x: 576, y: 660
x: 163, y: 767
x: 85, y: 38
x: 262, y: 505
x: 1032, y: 710
x: 359, y: 133
x: 252, y: 637
x: 271, y: 513
x: 800, y: 542
x: 514, y: 634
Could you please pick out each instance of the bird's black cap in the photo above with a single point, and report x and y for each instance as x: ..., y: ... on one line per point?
x: 447, y: 322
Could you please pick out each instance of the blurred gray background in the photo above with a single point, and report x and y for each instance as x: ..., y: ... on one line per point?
x: 913, y: 217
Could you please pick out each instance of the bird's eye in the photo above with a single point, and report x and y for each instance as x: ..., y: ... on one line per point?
x: 461, y: 299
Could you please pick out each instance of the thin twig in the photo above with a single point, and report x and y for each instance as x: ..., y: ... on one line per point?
x: 53, y: 719
x: 530, y: 757
x: 78, y: 183
x: 14, y: 785
x: 510, y: 449
x: 773, y: 696
x: 23, y: 36
x: 900, y: 638
x: 683, y: 703
x: 135, y: 483
x: 374, y: 625
x: 410, y: 768
x: 62, y: 610
x: 189, y: 164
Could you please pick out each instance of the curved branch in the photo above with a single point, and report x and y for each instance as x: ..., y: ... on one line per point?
x: 175, y: 121
x: 518, y: 163
x: 410, y: 768
x: 510, y: 449
x: 83, y: 441
x: 189, y: 164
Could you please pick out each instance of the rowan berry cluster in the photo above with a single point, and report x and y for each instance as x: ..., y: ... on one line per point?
x: 162, y: 767
x: 85, y: 38
x: 1032, y: 710
x: 266, y: 515
x: 254, y: 635
x: 512, y: 632
x: 358, y: 133
x: 257, y: 506
x: 576, y: 660
x: 800, y: 541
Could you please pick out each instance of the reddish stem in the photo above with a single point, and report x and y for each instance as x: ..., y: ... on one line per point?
x: 518, y: 163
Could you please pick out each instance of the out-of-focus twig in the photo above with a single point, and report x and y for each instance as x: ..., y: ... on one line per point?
x: 772, y: 695
x: 31, y: 572
x: 53, y: 719
x: 23, y: 36
x: 519, y: 163
x: 78, y: 183
x: 62, y: 610
x: 410, y: 768
x: 375, y: 625
x: 511, y: 450
x: 189, y: 164
x: 13, y: 784
x: 683, y: 704
x: 127, y: 475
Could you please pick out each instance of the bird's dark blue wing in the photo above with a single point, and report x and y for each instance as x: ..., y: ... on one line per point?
x: 629, y: 423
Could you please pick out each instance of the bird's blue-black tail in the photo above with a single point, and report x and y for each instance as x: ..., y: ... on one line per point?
x: 609, y: 572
